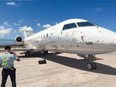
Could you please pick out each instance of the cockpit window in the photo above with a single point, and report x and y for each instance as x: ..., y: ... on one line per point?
x: 69, y: 26
x: 83, y: 24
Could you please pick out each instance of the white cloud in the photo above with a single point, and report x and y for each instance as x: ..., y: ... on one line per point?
x: 6, y: 24
x: 16, y: 24
x: 46, y: 26
x: 38, y: 24
x: 14, y: 31
x: 19, y: 23
x: 4, y: 31
x: 29, y: 29
x: 22, y: 20
x: 11, y: 3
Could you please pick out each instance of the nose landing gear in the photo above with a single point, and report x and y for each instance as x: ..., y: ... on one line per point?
x: 91, y: 65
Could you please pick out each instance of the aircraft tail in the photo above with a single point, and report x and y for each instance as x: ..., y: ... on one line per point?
x: 26, y: 31
x: 25, y: 34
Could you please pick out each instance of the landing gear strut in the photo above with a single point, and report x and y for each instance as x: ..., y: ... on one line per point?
x: 91, y: 65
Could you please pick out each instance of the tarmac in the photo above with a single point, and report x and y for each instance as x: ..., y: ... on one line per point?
x: 64, y: 70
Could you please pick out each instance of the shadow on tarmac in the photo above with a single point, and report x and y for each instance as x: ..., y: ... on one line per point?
x: 75, y: 63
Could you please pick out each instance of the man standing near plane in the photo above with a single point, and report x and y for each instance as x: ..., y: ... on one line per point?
x: 7, y: 62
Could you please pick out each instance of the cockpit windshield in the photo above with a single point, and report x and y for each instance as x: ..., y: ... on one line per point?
x: 84, y: 24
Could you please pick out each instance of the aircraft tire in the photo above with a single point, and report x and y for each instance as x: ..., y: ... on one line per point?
x: 27, y: 53
x: 45, y: 52
x: 91, y: 66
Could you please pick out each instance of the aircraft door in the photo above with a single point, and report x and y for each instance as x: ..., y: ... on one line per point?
x: 56, y: 39
x: 52, y: 39
x: 53, y: 44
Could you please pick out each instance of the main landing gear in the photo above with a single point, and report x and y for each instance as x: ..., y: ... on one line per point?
x: 27, y: 53
x: 45, y: 52
x: 91, y: 65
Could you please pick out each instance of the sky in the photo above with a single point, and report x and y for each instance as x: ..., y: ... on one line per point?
x: 36, y: 15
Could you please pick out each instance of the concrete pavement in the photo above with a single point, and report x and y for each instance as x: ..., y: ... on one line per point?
x: 65, y: 70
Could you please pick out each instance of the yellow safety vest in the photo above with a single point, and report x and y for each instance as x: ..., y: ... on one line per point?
x: 4, y: 62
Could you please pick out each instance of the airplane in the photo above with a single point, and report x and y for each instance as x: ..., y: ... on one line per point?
x: 77, y: 36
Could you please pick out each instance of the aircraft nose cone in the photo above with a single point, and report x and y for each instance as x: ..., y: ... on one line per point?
x: 108, y: 36
x: 113, y: 38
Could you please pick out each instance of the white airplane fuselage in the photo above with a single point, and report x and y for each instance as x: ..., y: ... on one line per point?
x: 73, y: 36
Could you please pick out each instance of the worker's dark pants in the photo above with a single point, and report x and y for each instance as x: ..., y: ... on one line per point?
x: 11, y: 73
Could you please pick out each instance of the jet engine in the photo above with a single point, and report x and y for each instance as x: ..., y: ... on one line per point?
x: 18, y: 39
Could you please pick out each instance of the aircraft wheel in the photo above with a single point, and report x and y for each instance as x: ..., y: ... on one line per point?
x: 91, y: 66
x: 27, y: 53
x: 45, y: 52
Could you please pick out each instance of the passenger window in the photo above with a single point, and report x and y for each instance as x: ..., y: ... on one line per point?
x: 69, y: 26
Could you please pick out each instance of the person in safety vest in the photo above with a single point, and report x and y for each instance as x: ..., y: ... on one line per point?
x: 7, y: 63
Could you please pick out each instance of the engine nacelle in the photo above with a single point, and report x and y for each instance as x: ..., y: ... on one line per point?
x: 18, y: 39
